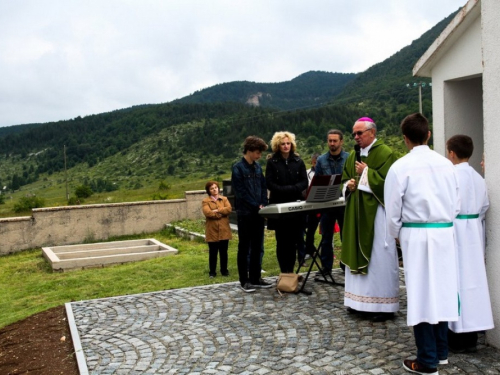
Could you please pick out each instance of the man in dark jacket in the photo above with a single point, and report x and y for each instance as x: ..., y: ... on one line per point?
x: 331, y: 163
x: 250, y: 193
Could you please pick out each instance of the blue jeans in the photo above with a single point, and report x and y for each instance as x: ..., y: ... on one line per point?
x: 432, y: 343
x: 327, y: 226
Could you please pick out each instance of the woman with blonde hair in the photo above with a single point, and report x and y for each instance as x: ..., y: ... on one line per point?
x: 216, y: 209
x: 286, y: 179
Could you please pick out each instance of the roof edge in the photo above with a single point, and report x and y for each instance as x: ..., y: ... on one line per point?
x: 424, y: 65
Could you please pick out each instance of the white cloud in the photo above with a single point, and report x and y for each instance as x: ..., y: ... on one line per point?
x: 61, y: 59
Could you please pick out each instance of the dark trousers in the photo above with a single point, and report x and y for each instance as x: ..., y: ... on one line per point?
x: 328, y: 220
x: 288, y: 234
x: 312, y: 222
x: 215, y: 248
x: 251, y: 235
x: 432, y: 343
x: 462, y: 341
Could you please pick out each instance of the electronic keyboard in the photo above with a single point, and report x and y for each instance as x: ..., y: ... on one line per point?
x: 275, y: 211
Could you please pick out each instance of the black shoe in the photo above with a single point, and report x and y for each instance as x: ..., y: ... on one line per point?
x: 412, y: 365
x: 225, y: 273
x: 350, y: 310
x: 261, y: 284
x: 247, y: 288
x: 324, y: 274
x: 382, y: 317
x: 470, y: 349
x: 212, y: 275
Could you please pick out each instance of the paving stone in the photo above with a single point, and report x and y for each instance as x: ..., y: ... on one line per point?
x: 217, y: 329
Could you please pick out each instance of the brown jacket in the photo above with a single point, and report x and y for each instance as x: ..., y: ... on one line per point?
x: 217, y: 223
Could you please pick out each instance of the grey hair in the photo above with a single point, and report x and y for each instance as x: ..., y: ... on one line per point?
x: 370, y: 125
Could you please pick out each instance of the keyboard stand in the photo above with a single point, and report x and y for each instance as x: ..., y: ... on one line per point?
x: 324, y: 278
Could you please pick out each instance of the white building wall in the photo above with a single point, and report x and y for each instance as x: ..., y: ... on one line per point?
x: 462, y: 60
x: 463, y: 102
x: 490, y: 12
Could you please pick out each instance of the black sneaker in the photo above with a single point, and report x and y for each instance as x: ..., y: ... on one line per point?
x: 412, y: 365
x: 261, y: 285
x: 247, y: 288
x: 326, y: 273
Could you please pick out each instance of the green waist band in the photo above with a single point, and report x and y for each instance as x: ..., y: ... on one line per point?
x: 472, y: 216
x: 427, y: 225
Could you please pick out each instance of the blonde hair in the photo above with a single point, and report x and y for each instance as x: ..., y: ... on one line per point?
x: 278, y: 138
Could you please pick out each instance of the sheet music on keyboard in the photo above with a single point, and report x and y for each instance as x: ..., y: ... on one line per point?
x: 324, y: 188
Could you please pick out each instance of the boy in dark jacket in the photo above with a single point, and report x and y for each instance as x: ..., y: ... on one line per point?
x: 250, y: 193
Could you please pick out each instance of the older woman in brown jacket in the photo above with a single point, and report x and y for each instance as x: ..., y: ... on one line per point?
x: 216, y: 209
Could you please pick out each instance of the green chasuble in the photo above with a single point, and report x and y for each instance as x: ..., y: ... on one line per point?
x: 361, y: 207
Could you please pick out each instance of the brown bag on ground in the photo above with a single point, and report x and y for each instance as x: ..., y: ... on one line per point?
x: 288, y: 282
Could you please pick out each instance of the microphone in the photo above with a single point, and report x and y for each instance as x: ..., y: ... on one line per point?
x: 357, y: 150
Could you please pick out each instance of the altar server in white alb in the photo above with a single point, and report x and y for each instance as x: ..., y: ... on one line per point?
x: 422, y: 200
x: 475, y: 305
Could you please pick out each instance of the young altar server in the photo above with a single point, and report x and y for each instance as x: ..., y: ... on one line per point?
x: 421, y: 201
x: 475, y: 305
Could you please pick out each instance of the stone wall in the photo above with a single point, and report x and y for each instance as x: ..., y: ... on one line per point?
x: 68, y: 225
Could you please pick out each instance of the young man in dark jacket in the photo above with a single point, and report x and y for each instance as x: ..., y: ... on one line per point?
x: 250, y: 193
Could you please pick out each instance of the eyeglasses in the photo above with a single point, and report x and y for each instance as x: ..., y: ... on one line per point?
x: 359, y: 132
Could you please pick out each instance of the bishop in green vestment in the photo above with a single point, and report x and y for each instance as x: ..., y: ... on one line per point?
x: 361, y: 205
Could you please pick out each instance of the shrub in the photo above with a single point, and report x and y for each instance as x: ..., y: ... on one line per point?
x: 163, y: 186
x: 73, y: 201
x: 83, y: 191
x: 28, y: 203
x: 159, y: 197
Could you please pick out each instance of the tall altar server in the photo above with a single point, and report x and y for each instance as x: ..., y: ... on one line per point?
x: 422, y: 200
x: 370, y: 256
x: 475, y: 305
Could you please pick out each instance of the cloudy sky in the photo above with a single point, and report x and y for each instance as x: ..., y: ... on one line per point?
x: 60, y: 59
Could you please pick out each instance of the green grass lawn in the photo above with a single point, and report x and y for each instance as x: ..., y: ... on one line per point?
x: 29, y: 285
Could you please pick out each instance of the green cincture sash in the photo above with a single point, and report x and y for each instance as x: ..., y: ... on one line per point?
x: 427, y: 225
x: 471, y: 216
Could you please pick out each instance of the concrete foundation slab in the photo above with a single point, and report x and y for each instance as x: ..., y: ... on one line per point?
x: 62, y: 258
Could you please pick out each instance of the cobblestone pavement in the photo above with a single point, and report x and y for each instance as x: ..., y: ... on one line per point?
x: 219, y: 329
